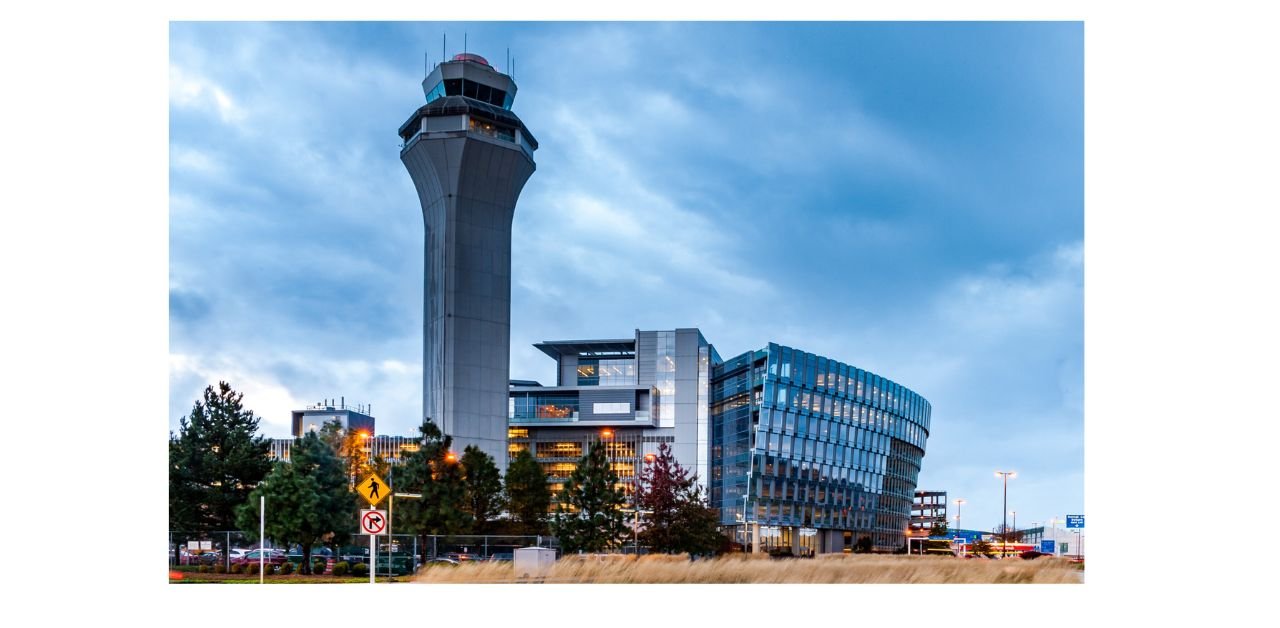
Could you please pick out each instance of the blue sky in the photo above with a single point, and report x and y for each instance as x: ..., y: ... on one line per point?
x: 903, y: 197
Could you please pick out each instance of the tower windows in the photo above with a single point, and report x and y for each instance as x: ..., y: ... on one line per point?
x: 470, y: 89
x: 485, y: 127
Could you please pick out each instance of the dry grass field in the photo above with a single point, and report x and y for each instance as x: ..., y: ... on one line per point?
x: 831, y: 569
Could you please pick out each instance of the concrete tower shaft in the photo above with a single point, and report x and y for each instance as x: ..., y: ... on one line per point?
x: 469, y: 159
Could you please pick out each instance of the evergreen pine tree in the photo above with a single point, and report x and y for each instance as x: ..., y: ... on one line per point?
x: 483, y: 486
x: 433, y: 473
x: 527, y: 494
x: 215, y: 460
x: 588, y: 515
x: 308, y: 498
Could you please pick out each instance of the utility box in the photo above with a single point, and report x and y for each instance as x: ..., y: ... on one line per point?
x: 534, y: 562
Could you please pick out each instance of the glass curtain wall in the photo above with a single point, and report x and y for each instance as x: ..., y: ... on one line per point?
x: 833, y: 447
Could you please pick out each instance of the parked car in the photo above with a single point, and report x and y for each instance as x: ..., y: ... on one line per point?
x: 502, y: 556
x: 237, y: 553
x: 461, y: 557
x: 317, y: 551
x: 209, y: 558
x: 442, y: 560
x: 273, y: 556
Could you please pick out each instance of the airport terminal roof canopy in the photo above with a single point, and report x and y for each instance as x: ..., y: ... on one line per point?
x: 557, y: 348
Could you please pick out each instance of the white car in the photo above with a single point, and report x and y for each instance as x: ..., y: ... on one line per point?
x: 237, y: 553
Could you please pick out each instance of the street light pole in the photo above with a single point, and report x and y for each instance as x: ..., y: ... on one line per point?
x: 373, y: 548
x: 1004, y: 528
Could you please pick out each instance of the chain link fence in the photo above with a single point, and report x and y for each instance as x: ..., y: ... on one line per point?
x: 398, y: 554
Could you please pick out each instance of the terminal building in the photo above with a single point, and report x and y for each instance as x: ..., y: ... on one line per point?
x: 809, y: 454
x: 798, y: 453
x: 630, y: 394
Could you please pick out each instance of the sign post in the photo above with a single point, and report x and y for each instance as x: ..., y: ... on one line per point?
x: 374, y: 490
x: 373, y: 523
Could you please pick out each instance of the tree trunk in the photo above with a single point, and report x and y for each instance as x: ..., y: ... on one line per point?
x: 305, y: 567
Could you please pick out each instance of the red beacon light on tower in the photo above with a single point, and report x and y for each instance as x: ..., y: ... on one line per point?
x: 474, y: 58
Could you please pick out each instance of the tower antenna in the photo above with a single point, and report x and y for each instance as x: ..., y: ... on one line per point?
x: 508, y: 66
x: 464, y: 42
x: 444, y: 47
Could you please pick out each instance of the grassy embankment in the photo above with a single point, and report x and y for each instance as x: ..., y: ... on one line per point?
x: 832, y: 569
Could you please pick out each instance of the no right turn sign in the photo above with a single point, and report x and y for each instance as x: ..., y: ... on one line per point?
x: 373, y: 522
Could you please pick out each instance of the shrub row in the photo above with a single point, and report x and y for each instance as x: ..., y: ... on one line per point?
x: 317, y: 568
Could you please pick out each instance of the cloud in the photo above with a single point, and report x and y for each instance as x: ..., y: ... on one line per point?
x: 275, y: 385
x: 270, y: 401
x: 190, y: 90
x: 1002, y: 302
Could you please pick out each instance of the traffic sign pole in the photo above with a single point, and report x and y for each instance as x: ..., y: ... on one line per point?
x: 262, y: 536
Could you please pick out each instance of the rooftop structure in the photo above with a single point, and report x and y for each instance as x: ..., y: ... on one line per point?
x: 314, y: 416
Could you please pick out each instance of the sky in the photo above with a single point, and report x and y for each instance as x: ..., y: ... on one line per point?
x: 907, y: 198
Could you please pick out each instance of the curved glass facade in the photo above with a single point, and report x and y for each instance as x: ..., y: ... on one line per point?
x: 815, y: 452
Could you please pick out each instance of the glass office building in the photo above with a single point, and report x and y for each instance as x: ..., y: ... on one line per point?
x: 809, y: 455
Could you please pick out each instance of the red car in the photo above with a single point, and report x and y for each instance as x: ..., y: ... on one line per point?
x: 274, y: 557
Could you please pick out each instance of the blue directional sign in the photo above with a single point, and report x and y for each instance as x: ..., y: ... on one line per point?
x: 1075, y: 521
x: 1046, y: 546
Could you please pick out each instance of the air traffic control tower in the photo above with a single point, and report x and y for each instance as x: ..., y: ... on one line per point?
x: 469, y: 157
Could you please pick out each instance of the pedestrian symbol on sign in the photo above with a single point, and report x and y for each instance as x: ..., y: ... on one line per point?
x: 373, y: 489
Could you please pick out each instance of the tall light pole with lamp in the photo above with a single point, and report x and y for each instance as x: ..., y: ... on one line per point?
x: 1014, y: 513
x: 635, y: 507
x: 959, y: 502
x: 1004, y: 538
x: 373, y: 551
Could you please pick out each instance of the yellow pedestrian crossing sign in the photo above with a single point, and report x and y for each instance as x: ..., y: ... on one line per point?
x: 373, y: 489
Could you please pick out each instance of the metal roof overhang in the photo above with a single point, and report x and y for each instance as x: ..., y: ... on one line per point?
x: 557, y: 348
